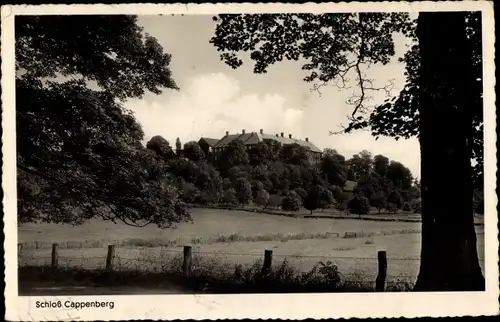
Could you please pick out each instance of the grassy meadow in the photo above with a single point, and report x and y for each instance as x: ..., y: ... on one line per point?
x: 226, y: 238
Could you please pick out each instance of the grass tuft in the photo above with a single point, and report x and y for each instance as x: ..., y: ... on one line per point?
x: 157, y: 242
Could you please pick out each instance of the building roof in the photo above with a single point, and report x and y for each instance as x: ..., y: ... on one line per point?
x: 286, y: 140
x: 231, y: 137
x: 254, y: 138
x: 210, y: 141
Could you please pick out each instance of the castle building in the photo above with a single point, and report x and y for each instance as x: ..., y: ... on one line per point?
x: 214, y: 146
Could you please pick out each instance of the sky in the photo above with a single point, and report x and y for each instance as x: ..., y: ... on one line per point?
x: 214, y: 98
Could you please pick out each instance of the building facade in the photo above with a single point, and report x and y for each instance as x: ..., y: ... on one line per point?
x: 207, y: 146
x: 252, y: 138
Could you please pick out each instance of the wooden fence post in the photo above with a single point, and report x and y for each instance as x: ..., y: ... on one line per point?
x: 382, y: 271
x: 55, y: 256
x: 268, y: 259
x: 186, y: 265
x: 110, y: 257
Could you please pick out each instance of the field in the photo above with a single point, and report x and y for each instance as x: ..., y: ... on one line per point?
x: 235, y: 237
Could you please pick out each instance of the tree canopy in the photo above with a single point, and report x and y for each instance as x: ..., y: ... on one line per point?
x: 399, y: 116
x: 79, y: 152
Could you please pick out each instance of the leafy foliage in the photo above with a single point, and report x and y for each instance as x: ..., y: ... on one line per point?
x: 392, y: 208
x: 399, y: 116
x: 416, y: 205
x: 379, y: 201
x: 359, y: 205
x: 262, y: 198
x: 270, y: 180
x: 79, y: 152
x: 294, y: 154
x: 260, y: 154
x: 229, y: 196
x: 193, y: 151
x: 317, y: 197
x: 275, y: 201
x: 399, y: 175
x: 178, y: 144
x: 291, y: 202
x: 162, y: 147
x: 191, y: 194
x: 302, y: 193
x: 360, y: 164
x: 326, y: 199
x: 243, y: 190
x: 335, y: 168
x: 395, y: 198
x: 326, y: 41
x: 233, y: 155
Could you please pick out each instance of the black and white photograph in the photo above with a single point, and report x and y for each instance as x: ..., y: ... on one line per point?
x: 308, y: 152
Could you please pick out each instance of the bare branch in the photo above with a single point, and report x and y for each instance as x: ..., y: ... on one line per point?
x: 363, y: 83
x: 316, y: 88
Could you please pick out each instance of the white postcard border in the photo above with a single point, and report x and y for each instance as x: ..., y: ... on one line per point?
x: 255, y: 306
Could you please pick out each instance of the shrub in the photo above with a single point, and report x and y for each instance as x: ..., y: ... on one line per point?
x: 326, y: 199
x: 341, y: 206
x: 416, y: 205
x: 395, y: 198
x: 336, y: 191
x: 342, y: 198
x: 193, y: 151
x: 311, y: 202
x: 392, y: 208
x: 313, y: 199
x: 243, y: 190
x: 379, y: 201
x: 274, y: 201
x: 330, y: 273
x: 262, y: 198
x: 226, y: 184
x: 190, y: 194
x: 359, y: 205
x: 181, y: 209
x: 256, y: 187
x: 230, y: 197
x: 406, y: 206
x: 207, y: 198
x: 302, y: 193
x: 291, y: 202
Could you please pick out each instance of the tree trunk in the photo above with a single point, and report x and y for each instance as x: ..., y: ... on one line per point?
x: 449, y: 259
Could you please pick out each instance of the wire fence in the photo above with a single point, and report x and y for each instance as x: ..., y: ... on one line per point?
x: 123, y: 259
x: 394, y: 272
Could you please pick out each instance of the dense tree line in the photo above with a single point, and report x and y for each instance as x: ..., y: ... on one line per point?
x: 273, y: 176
